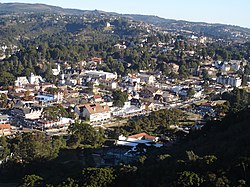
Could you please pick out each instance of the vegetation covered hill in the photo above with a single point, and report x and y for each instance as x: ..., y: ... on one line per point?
x: 207, y: 29
x: 214, y: 30
x: 218, y: 155
x: 38, y: 8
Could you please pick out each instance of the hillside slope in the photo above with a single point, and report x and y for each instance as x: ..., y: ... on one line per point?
x: 219, y: 155
x: 170, y: 25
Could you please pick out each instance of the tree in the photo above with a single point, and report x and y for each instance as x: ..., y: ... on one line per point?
x: 54, y: 112
x: 190, y: 92
x: 156, y: 122
x: 183, y: 71
x: 119, y: 98
x: 52, y: 91
x: 32, y: 181
x: 84, y: 133
x: 69, y: 183
x: 28, y: 147
x: 3, y: 100
x: 98, y: 177
x: 48, y: 74
x: 205, y: 74
x: 222, y: 109
x: 6, y: 79
x: 4, y: 150
x: 189, y: 178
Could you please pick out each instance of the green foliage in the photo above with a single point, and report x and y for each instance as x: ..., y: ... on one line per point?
x: 188, y: 179
x: 3, y: 100
x: 192, y: 156
x: 238, y: 99
x: 69, y: 183
x: 51, y: 90
x: 83, y: 133
x: 157, y: 122
x: 48, y: 74
x: 225, y: 160
x: 4, y: 149
x: 32, y: 181
x: 29, y: 147
x: 190, y: 92
x: 119, y: 98
x: 209, y: 159
x: 54, y: 112
x: 98, y: 177
x: 6, y: 78
x: 222, y: 108
x: 183, y: 72
x: 164, y: 156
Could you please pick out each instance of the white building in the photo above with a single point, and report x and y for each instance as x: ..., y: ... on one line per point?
x: 27, y: 110
x: 94, y: 112
x: 21, y: 81
x: 35, y: 79
x: 62, y: 122
x: 225, y: 67
x: 4, y: 119
x: 127, y: 110
x: 100, y: 74
x: 148, y: 79
x: 229, y: 80
x: 57, y: 70
x: 141, y: 138
x: 110, y: 84
x: 119, y: 46
x: 234, y: 81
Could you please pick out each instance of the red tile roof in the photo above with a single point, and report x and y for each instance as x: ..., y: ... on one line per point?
x: 4, y: 126
x: 97, y: 97
x: 95, y: 108
x: 142, y: 136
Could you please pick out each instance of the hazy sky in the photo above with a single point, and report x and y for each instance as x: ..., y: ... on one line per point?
x: 234, y: 12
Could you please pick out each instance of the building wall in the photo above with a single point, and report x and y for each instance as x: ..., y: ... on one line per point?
x: 34, y: 115
x: 99, y: 117
x: 232, y: 81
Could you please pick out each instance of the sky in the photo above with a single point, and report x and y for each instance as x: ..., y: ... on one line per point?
x: 233, y: 12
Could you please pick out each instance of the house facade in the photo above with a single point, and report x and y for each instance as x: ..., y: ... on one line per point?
x: 94, y: 112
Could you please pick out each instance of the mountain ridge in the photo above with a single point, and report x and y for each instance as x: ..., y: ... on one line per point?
x: 217, y: 30
x: 58, y: 9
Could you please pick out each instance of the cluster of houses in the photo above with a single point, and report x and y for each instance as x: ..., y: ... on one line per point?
x: 89, y: 93
x: 223, y: 72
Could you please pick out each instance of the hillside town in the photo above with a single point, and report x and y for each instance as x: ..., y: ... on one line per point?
x: 95, y: 98
x: 88, y: 95
x: 87, y: 92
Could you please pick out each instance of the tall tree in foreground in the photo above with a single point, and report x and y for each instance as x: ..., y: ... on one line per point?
x: 82, y: 133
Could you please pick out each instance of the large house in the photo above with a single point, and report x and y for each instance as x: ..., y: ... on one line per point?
x: 150, y: 92
x: 141, y: 138
x: 100, y: 75
x: 27, y: 110
x: 94, y: 112
x: 32, y: 79
x: 229, y: 80
x: 5, y: 128
x: 148, y: 79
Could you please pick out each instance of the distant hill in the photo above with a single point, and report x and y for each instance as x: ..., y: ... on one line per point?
x: 38, y: 8
x: 169, y: 25
x: 208, y: 29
